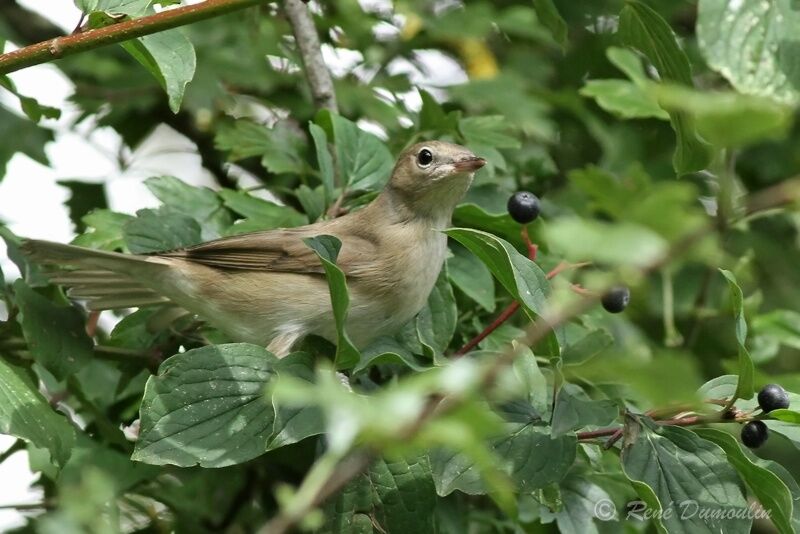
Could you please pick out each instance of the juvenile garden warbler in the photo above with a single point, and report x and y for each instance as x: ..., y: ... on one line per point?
x: 269, y: 287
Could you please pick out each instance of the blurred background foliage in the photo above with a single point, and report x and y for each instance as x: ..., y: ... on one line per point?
x: 634, y: 137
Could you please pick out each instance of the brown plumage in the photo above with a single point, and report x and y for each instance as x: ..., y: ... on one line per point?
x: 269, y: 287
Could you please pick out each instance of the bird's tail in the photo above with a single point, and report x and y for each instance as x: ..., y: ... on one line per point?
x: 105, y: 280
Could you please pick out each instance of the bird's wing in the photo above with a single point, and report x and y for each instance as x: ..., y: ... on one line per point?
x: 274, y: 251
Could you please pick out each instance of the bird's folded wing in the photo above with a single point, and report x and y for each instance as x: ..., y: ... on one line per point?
x: 274, y: 251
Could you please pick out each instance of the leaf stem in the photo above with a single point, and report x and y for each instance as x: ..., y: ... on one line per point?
x: 59, y: 47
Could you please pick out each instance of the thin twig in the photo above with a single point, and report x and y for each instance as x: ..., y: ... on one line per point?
x: 305, y: 35
x: 129, y: 29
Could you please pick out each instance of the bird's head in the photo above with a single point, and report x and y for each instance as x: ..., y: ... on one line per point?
x: 431, y: 177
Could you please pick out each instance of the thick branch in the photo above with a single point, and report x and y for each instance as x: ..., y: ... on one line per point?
x: 305, y: 35
x: 116, y: 33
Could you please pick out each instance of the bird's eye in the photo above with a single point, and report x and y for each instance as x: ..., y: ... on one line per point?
x: 424, y: 158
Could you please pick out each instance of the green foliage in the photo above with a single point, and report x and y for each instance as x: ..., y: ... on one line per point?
x: 663, y: 149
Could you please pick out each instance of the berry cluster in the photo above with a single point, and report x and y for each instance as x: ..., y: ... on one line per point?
x: 524, y: 207
x: 771, y: 397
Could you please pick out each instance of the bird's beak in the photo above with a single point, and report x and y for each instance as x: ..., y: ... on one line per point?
x: 469, y: 164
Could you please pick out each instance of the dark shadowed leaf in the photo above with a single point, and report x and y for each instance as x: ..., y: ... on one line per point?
x: 56, y: 335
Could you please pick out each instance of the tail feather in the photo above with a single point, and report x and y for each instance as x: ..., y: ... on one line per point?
x: 51, y: 253
x: 105, y: 280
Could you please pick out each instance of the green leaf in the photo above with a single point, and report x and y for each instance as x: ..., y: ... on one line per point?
x: 548, y: 15
x: 280, y: 147
x: 624, y: 99
x: 745, y: 387
x: 206, y: 407
x: 789, y: 416
x: 521, y: 277
x: 794, y: 488
x: 397, y: 495
x: 114, y: 7
x: 199, y: 203
x: 324, y: 159
x: 586, y: 347
x: 260, y: 214
x: 21, y: 135
x: 583, y: 501
x: 620, y: 243
x: 530, y: 470
x: 24, y: 413
x: 159, y: 230
x: 471, y: 276
x: 770, y: 490
x: 753, y: 45
x: 436, y: 322
x: 362, y: 160
x: 386, y: 350
x: 293, y: 424
x: 104, y: 230
x: 327, y: 248
x: 642, y: 28
x: 533, y: 381
x: 575, y: 410
x: 683, y: 470
x: 780, y: 325
x: 727, y: 119
x: 489, y: 130
x: 56, y: 335
x: 169, y: 56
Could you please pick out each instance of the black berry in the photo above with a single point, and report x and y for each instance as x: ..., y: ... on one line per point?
x: 754, y: 434
x: 523, y: 206
x: 772, y: 397
x: 616, y: 299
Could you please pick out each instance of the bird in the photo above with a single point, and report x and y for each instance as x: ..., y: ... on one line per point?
x: 269, y: 288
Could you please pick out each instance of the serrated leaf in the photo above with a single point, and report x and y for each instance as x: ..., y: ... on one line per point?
x: 26, y: 414
x: 772, y: 493
x: 744, y: 387
x: 133, y: 8
x: 362, y: 160
x: 56, y: 335
x: 104, y: 230
x: 644, y: 29
x: 280, y: 147
x: 206, y: 407
x: 753, y: 45
x: 259, y: 214
x: 327, y: 248
x: 574, y: 410
x: 679, y: 467
x: 160, y: 230
x: 199, y: 203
